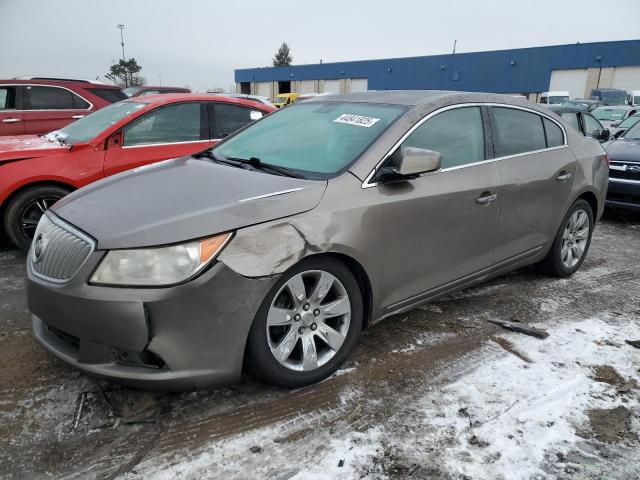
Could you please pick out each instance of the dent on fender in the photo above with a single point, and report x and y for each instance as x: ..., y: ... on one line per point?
x: 265, y: 251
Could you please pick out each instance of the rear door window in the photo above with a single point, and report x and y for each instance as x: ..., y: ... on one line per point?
x: 555, y: 138
x: 227, y: 118
x: 179, y: 122
x: 458, y: 135
x: 52, y: 98
x: 517, y: 131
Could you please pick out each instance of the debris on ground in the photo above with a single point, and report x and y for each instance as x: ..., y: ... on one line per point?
x: 634, y: 343
x: 607, y: 374
x: 509, y: 347
x: 520, y: 328
x: 611, y: 425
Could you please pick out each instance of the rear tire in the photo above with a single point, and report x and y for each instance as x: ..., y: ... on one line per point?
x: 25, y: 209
x: 571, y: 243
x: 307, y: 325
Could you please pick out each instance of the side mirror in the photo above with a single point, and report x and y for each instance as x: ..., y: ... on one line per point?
x: 605, y: 134
x: 115, y: 141
x: 415, y: 161
x: 412, y: 163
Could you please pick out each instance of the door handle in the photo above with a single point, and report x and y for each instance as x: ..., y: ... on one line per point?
x: 563, y: 177
x: 487, y: 198
x: 10, y: 120
x: 77, y: 116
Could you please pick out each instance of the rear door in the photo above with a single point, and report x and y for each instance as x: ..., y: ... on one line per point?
x: 440, y: 228
x: 11, y: 114
x: 226, y: 118
x: 49, y: 108
x: 169, y: 131
x: 537, y: 169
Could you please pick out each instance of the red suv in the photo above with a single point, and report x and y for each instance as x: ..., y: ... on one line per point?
x: 36, y: 171
x: 40, y: 105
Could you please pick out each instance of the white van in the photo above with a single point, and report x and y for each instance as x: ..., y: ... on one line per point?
x: 634, y: 97
x: 554, y: 98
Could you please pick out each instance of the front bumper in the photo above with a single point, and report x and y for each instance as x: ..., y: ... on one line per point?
x: 624, y: 193
x: 177, y: 338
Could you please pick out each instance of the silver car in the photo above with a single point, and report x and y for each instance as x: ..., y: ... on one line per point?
x: 275, y: 248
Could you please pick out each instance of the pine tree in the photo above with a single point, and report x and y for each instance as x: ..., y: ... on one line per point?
x: 283, y: 57
x: 126, y: 73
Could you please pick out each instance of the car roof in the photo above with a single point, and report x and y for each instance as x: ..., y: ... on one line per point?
x: 151, y: 87
x: 62, y: 83
x: 413, y: 98
x: 166, y: 98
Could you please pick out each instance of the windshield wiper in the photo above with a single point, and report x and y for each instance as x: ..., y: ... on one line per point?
x: 257, y: 164
x: 252, y: 163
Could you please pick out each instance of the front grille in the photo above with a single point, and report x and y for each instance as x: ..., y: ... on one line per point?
x: 58, y: 250
x: 622, y: 170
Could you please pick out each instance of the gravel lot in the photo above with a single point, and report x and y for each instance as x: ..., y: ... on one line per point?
x: 437, y: 393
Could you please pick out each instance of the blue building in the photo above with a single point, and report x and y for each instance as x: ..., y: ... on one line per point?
x: 576, y: 68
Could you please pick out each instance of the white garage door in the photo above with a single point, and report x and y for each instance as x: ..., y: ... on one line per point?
x: 331, y: 86
x: 573, y: 81
x: 264, y: 89
x: 359, y: 84
x: 626, y: 78
x: 306, y: 86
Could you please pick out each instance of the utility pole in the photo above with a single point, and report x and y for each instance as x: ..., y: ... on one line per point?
x: 454, y: 46
x: 160, y: 75
x: 121, y: 27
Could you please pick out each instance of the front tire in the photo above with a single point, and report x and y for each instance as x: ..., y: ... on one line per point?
x: 572, y: 241
x: 25, y: 209
x: 307, y: 325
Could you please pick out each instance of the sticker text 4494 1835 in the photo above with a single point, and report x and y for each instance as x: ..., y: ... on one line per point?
x: 357, y: 120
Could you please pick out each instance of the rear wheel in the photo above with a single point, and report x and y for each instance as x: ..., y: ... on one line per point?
x: 25, y: 209
x: 572, y: 241
x: 307, y: 325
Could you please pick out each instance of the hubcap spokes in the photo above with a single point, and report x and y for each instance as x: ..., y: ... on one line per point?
x: 574, y: 239
x: 32, y: 212
x: 308, y: 320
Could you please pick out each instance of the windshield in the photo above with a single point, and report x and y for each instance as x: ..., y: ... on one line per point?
x: 633, y: 133
x: 609, y: 113
x: 579, y: 105
x: 86, y: 128
x: 629, y: 122
x: 280, y: 99
x: 131, y: 91
x: 555, y: 100
x: 317, y: 139
x: 614, y: 98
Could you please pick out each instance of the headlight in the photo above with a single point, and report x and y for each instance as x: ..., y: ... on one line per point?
x: 158, y: 266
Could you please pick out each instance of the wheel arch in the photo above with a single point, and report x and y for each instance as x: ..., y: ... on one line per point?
x: 591, y: 199
x: 26, y: 186
x: 362, y: 278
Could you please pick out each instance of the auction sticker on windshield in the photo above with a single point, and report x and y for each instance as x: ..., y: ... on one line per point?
x: 357, y: 120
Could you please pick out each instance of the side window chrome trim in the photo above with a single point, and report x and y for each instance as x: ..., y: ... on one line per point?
x: 367, y: 181
x: 49, y: 109
x: 167, y: 143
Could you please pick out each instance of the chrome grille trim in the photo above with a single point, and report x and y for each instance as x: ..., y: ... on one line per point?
x: 64, y: 251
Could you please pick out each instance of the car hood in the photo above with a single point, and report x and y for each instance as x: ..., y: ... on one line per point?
x: 181, y: 199
x: 27, y: 146
x: 624, y: 150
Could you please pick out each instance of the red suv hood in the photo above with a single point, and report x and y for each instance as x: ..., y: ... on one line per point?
x: 27, y: 146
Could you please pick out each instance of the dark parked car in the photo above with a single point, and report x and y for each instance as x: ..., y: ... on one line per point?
x: 276, y: 248
x: 582, y: 104
x: 139, y: 91
x: 624, y: 125
x: 40, y: 105
x: 624, y: 173
x: 610, y: 96
x: 584, y: 122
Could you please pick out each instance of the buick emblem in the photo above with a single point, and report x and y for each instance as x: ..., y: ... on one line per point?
x: 38, y: 248
x: 633, y: 168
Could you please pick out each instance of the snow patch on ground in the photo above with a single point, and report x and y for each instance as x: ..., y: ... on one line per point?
x: 507, y: 416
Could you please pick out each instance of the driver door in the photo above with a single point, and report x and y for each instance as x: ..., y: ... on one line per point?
x: 440, y: 228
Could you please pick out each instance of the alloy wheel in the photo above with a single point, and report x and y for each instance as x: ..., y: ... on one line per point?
x: 308, y: 320
x: 575, y: 238
x: 31, y: 213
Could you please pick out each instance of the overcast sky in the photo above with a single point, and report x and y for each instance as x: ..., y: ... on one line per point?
x: 199, y: 43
